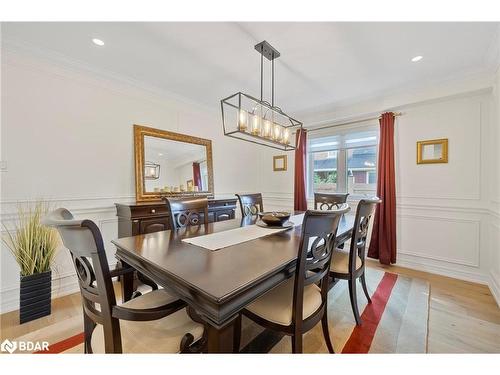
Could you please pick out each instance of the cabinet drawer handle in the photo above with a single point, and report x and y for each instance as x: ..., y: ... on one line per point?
x: 135, y: 221
x: 153, y: 210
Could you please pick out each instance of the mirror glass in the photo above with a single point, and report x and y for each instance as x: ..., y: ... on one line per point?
x: 174, y: 167
x: 432, y: 151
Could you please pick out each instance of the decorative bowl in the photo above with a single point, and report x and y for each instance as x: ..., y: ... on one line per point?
x: 274, y: 218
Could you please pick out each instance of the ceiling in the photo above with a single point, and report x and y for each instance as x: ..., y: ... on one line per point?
x: 173, y: 151
x: 320, y: 64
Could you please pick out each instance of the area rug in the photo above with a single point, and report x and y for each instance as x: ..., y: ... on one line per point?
x: 395, y: 322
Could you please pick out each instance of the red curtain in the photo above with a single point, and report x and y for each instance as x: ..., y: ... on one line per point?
x: 197, y: 175
x: 383, y: 240
x: 299, y: 195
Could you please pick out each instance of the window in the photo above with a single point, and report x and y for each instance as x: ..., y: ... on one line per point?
x: 344, y: 163
x: 325, y: 170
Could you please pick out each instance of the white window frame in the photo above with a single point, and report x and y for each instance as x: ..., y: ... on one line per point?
x: 341, y: 156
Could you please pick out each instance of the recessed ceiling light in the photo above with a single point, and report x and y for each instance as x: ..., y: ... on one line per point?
x: 98, y: 42
x: 417, y: 58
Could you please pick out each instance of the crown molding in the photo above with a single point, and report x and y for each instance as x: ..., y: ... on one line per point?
x: 396, y: 100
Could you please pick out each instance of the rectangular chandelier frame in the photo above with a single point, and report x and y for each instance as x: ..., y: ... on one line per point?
x: 235, y: 103
x: 255, y: 120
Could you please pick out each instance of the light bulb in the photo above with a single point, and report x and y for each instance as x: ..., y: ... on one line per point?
x: 286, y: 136
x: 256, y: 125
x: 277, y: 132
x: 242, y: 124
x: 267, y: 128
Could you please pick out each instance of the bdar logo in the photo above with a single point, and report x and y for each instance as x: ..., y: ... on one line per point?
x: 8, y: 346
x: 24, y: 346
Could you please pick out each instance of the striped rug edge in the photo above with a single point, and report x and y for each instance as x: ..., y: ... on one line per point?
x: 362, y: 336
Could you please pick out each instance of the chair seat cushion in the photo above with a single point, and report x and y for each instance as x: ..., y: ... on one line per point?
x: 340, y: 262
x: 276, y: 305
x: 155, y: 298
x: 156, y: 336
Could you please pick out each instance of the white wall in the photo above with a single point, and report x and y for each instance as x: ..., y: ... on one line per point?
x: 184, y: 172
x: 494, y: 194
x: 443, y: 210
x: 67, y: 137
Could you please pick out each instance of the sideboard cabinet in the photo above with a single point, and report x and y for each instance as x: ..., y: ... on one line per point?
x: 149, y: 217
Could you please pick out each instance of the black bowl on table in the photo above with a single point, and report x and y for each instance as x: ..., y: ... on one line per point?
x: 274, y: 219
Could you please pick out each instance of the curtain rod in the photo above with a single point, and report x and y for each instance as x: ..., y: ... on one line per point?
x: 396, y: 114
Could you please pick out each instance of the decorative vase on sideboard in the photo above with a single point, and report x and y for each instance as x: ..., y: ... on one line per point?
x: 35, y: 296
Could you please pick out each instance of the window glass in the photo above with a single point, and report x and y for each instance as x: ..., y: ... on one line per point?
x: 344, y: 162
x: 325, y: 171
x: 361, y: 170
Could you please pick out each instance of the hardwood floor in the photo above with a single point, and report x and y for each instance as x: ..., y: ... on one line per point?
x: 463, y: 316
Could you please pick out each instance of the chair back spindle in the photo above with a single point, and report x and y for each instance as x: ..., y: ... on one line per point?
x: 329, y: 201
x: 250, y: 204
x: 187, y: 212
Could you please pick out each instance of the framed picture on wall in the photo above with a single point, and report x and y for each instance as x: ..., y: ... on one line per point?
x: 189, y: 185
x: 432, y: 151
x: 279, y: 163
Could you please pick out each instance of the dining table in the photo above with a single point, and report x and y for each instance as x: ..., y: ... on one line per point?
x: 216, y: 284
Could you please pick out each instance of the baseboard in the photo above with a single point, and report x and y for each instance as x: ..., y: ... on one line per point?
x: 421, y: 264
x: 494, y: 284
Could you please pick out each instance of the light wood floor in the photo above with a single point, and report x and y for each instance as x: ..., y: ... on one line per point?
x: 463, y: 316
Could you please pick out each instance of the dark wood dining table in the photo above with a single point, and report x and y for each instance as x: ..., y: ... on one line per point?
x: 218, y: 284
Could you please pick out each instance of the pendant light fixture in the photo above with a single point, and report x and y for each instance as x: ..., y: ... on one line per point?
x: 256, y: 120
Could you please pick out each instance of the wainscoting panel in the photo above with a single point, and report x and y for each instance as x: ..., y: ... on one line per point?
x: 445, y: 239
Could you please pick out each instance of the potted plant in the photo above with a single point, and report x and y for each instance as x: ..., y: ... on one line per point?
x: 33, y: 246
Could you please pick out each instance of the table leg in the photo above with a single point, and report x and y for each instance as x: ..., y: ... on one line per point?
x: 127, y: 283
x: 221, y: 340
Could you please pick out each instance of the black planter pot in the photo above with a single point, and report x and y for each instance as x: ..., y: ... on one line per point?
x: 35, y: 300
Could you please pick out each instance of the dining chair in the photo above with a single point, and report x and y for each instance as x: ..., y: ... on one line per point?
x: 351, y: 265
x: 329, y: 201
x: 155, y: 322
x: 299, y: 303
x: 250, y: 204
x: 187, y: 212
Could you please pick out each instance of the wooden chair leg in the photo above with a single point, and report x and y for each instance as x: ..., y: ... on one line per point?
x: 88, y: 328
x: 365, y: 289
x: 297, y: 343
x: 146, y: 280
x: 326, y: 332
x: 354, y: 301
x: 237, y: 335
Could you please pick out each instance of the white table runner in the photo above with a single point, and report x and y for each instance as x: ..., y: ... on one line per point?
x: 220, y: 240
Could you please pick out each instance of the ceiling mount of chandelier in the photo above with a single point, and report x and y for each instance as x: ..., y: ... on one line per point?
x: 256, y: 120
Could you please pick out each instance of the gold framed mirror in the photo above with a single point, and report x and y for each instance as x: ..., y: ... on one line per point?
x: 171, y: 164
x: 432, y: 151
x: 279, y: 163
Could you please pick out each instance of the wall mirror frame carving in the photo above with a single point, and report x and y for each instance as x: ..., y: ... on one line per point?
x: 140, y: 132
